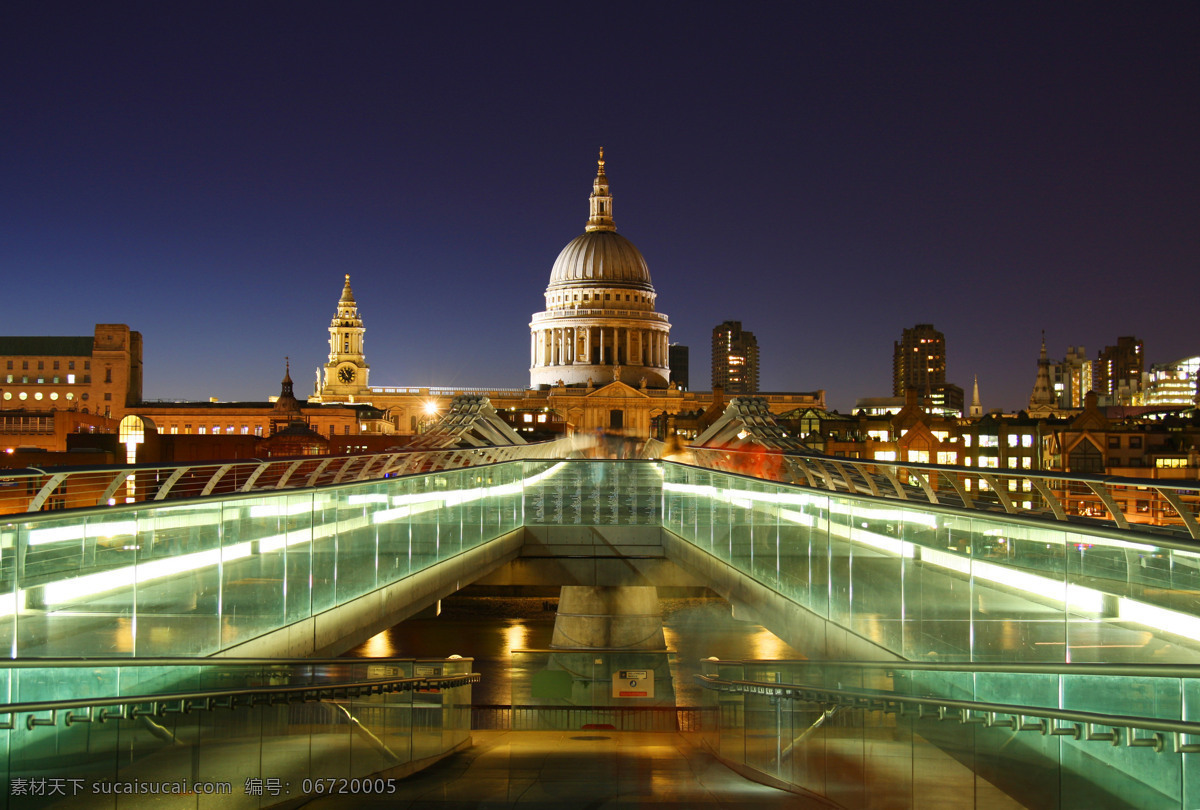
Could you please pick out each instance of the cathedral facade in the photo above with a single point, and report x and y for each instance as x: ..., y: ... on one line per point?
x: 598, y: 351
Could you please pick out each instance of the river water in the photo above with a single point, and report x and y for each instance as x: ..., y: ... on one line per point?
x: 488, y: 628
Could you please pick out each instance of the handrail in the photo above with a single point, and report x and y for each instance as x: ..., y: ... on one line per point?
x: 187, y: 701
x: 1015, y: 668
x: 1052, y: 495
x: 33, y: 490
x: 182, y: 661
x: 1083, y: 725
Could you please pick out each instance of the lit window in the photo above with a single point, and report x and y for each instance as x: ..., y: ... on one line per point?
x: 54, y: 395
x: 885, y: 455
x: 245, y: 430
x: 8, y: 394
x: 1027, y: 462
x: 38, y: 396
x: 541, y: 417
x: 1012, y: 461
x: 967, y: 441
x: 202, y: 430
x: 1027, y: 440
x: 1013, y: 439
x: 70, y: 379
x: 528, y: 417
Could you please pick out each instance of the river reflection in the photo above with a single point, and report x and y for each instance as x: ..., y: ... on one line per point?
x: 488, y: 628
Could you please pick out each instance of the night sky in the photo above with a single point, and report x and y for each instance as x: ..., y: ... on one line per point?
x: 826, y: 173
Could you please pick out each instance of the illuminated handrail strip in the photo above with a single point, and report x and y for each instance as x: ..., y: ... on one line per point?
x: 1054, y: 490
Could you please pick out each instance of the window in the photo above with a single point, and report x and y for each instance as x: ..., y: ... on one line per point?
x: 245, y: 430
x: 1027, y: 440
x: 1114, y: 442
x: 988, y: 441
x: 202, y: 430
x: 216, y: 429
x: 41, y: 365
x: 56, y: 365
x: 187, y: 429
x: 885, y: 455
x: 1135, y: 442
x: 108, y: 396
x: 87, y: 365
x: 70, y: 365
x: 1013, y: 439
x: 24, y: 365
x: 258, y: 431
x: 966, y: 441
x: 108, y: 374
x: 70, y: 379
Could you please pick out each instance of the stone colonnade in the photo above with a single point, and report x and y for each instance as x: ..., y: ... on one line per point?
x: 571, y: 345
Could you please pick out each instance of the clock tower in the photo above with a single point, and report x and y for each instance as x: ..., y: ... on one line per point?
x: 346, y: 371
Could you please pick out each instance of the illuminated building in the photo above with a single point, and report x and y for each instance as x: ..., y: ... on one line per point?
x: 599, y: 324
x: 919, y: 360
x: 734, y: 359
x: 1071, y: 378
x: 1172, y: 383
x: 101, y: 374
x: 346, y: 370
x: 1117, y: 374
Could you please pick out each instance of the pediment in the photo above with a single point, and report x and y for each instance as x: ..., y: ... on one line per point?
x: 617, y: 390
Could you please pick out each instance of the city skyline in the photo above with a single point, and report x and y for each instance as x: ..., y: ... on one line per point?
x: 828, y: 177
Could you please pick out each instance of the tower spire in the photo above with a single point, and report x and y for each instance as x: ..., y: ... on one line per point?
x: 1041, y: 399
x: 601, y: 201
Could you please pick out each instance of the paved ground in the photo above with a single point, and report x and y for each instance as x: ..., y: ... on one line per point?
x: 576, y: 769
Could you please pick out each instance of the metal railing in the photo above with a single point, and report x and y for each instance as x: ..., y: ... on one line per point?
x: 1171, y: 507
x: 36, y: 489
x: 1095, y: 734
x: 502, y: 717
x: 166, y: 703
x: 1113, y: 729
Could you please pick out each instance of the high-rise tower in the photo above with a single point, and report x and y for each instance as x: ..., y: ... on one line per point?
x: 734, y: 359
x: 919, y: 360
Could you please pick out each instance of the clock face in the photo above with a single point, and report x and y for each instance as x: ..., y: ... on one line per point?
x: 346, y: 374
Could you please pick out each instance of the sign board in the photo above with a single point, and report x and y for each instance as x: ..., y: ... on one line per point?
x: 633, y: 683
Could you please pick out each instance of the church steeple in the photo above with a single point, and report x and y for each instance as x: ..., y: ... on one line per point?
x: 600, y: 201
x: 1041, y: 399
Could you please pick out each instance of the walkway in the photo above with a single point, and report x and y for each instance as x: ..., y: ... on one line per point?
x: 577, y: 769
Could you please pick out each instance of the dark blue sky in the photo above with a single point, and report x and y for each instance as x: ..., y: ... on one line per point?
x: 826, y: 173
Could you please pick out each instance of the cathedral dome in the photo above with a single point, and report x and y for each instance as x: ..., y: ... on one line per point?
x: 601, y: 257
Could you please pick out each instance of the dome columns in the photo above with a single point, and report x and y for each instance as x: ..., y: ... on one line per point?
x: 579, y: 352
